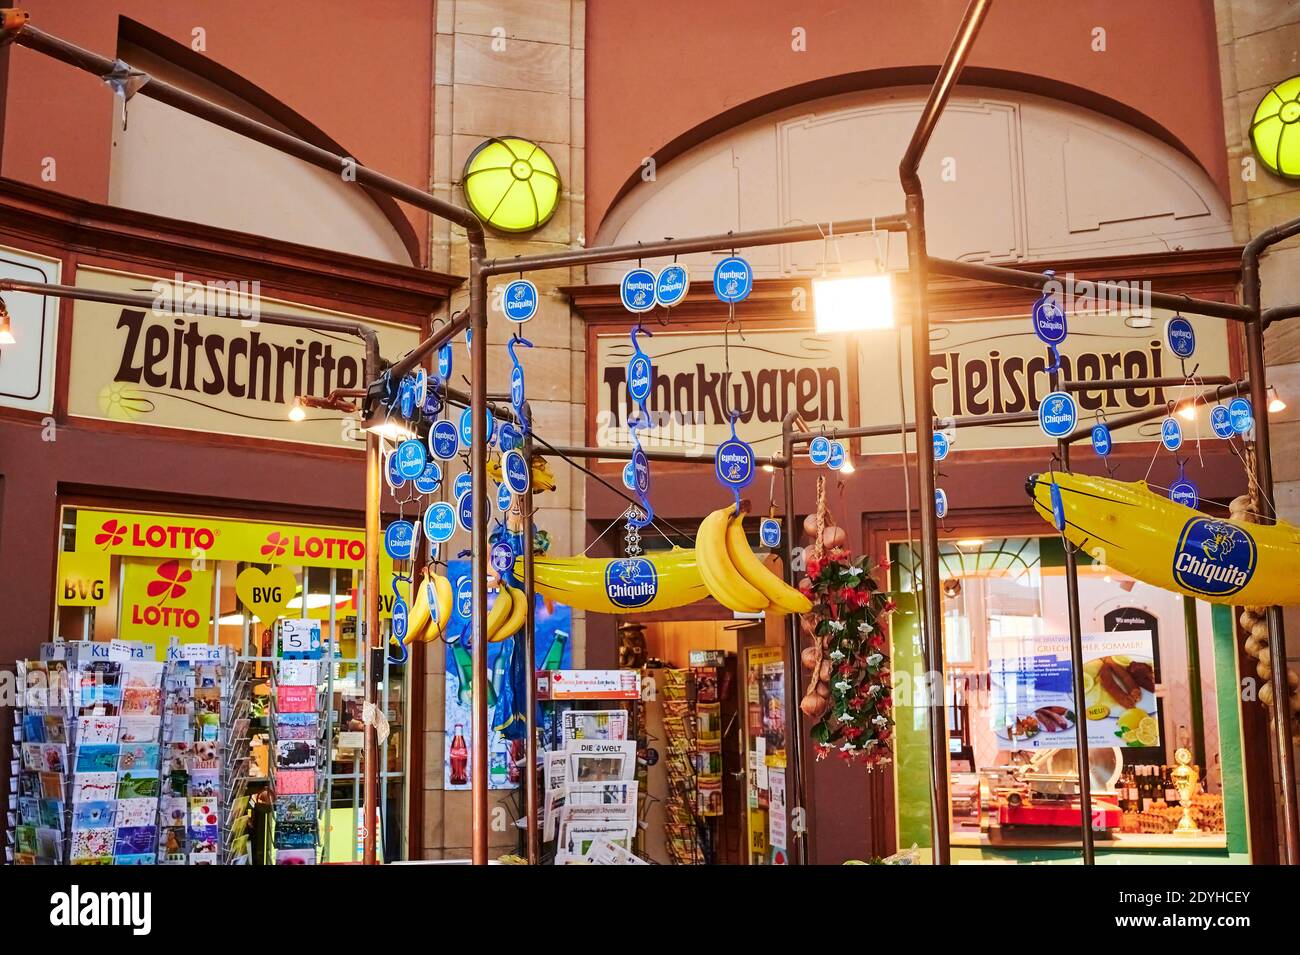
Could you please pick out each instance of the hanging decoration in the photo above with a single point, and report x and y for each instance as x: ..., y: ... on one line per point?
x: 518, y: 397
x: 640, y: 375
x: 1049, y: 323
x: 849, y: 691
x: 1167, y: 545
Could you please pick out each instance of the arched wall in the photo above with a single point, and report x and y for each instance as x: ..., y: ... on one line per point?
x: 1008, y: 177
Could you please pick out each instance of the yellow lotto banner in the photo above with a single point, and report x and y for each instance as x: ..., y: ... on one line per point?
x: 166, y: 598
x: 129, y: 534
x: 83, y: 578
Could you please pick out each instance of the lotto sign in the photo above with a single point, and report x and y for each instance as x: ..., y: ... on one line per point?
x: 1057, y: 415
x: 733, y: 280
x: 671, y: 286
x: 519, y: 300
x: 637, y: 290
x: 165, y: 598
x: 515, y: 470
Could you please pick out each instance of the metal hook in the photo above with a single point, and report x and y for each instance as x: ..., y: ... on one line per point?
x: 640, y: 329
x: 517, y: 340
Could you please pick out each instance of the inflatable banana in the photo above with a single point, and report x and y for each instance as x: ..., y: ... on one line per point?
x: 622, y: 585
x: 1149, y: 537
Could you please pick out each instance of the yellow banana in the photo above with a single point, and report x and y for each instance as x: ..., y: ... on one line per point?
x: 499, y: 613
x: 621, y: 585
x: 418, y: 618
x: 1149, y: 537
x: 783, y: 597
x: 518, y: 612
x: 442, y: 606
x: 719, y: 574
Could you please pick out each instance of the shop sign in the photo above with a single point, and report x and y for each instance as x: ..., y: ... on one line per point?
x: 688, y: 393
x: 672, y: 284
x: 519, y: 300
x: 399, y: 618
x: 166, y: 367
x: 631, y: 582
x: 445, y: 362
x: 83, y: 578
x: 27, y: 368
x: 637, y: 290
x: 166, y: 598
x: 129, y: 534
x: 467, y: 428
x: 734, y: 464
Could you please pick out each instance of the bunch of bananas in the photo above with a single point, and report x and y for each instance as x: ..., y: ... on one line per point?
x: 542, y: 477
x: 507, y: 614
x: 430, y: 609
x: 732, y: 573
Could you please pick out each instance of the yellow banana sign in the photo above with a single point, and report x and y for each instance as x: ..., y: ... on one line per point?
x: 1149, y: 537
x: 622, y: 585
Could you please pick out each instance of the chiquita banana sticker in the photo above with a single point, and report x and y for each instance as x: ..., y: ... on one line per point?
x: 1137, y: 532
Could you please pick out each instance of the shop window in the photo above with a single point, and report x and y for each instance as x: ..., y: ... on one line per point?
x: 102, y: 573
x: 1149, y: 662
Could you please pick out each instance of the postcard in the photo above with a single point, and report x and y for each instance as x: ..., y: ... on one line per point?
x: 139, y: 729
x: 51, y: 814
x: 298, y: 673
x: 32, y: 757
x: 297, y: 726
x: 301, y: 808
x: 205, y: 840
x: 137, y: 811
x: 139, y: 757
x: 54, y: 757
x: 143, y: 858
x: 96, y: 729
x: 295, y: 856
x: 143, y: 673
x: 141, y: 701
x: 295, y: 699
x: 49, y: 844
x: 135, y: 785
x: 56, y: 728
x: 203, y: 813
x: 171, y: 840
x: 594, y: 724
x: 97, y: 758
x: 295, y: 835
x: 205, y: 783
x: 174, y: 811
x: 135, y: 840
x: 295, y: 754
x: 99, y: 697
x: 294, y: 782
x: 94, y: 787
x: 34, y: 728
x: 92, y: 843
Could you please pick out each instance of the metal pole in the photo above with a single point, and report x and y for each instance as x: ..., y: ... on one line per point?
x: 479, y: 556
x: 375, y: 660
x: 795, y: 764
x: 531, y: 801
x: 625, y: 454
x: 1159, y: 411
x: 917, y: 259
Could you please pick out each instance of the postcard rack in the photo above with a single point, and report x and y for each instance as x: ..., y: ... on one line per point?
x: 298, y: 746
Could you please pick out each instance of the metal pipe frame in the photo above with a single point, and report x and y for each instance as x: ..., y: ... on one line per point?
x: 531, y: 800
x: 681, y: 457
x: 917, y: 261
x: 1288, y: 811
x: 794, y: 670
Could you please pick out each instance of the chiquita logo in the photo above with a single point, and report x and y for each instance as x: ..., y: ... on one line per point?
x: 631, y: 582
x: 1214, y: 558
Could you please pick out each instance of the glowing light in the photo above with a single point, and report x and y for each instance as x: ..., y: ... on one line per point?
x: 1275, y: 402
x: 511, y: 184
x: 1275, y: 128
x: 855, y: 304
x: 297, y: 411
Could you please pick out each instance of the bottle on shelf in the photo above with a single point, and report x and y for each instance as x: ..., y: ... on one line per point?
x: 1171, y: 791
x: 459, y: 757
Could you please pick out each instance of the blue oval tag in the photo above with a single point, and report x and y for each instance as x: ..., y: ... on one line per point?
x: 465, y: 511
x: 467, y: 427
x: 941, y: 446
x: 769, y: 532
x: 445, y: 362
x: 819, y: 450
x: 510, y: 437
x: 439, y: 522
x: 406, y: 398
x: 1058, y: 414
x: 1241, y: 415
x: 516, y: 472
x: 940, y: 503
x: 502, y: 557
x: 430, y: 478
x: 399, y: 540
x: 837, y: 456
x: 1221, y: 422
x: 392, y: 473
x: 411, y: 459
x: 640, y: 471
x: 400, y: 618
x: 733, y: 463
x: 1101, y: 440
x: 639, y: 378
x: 1184, y: 492
x: 1171, y: 434
x: 504, y: 497
x: 1049, y: 320
x: 637, y: 290
x: 629, y: 476
x: 733, y: 279
x: 519, y: 300
x: 516, y: 386
x: 462, y: 484
x: 443, y: 440
x: 464, y: 598
x: 672, y: 284
x: 432, y: 405
x: 1180, y: 336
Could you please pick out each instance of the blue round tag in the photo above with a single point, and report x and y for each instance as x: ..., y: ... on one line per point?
x: 432, y: 405
x: 516, y: 472
x: 430, y: 478
x: 406, y: 398
x: 733, y: 279
x: 399, y: 540
x: 411, y: 459
x: 672, y: 284
x: 421, y: 379
x: 639, y: 378
x: 637, y: 290
x: 504, y: 497
x: 1180, y: 337
x: 392, y: 473
x: 439, y: 522
x: 629, y: 476
x: 1241, y: 415
x: 819, y: 450
x: 940, y: 503
x: 1184, y: 492
x: 769, y: 532
x: 733, y: 463
x: 445, y: 362
x: 502, y: 557
x: 640, y: 471
x: 465, y: 511
x: 510, y: 437
x: 1057, y: 415
x: 462, y: 484
x: 516, y: 386
x: 443, y: 440
x: 466, y: 432
x: 1221, y: 422
x: 519, y: 300
x: 1101, y: 440
x: 941, y: 446
x: 1171, y: 434
x: 400, y: 618
x: 1049, y: 320
x: 464, y: 598
x: 838, y: 455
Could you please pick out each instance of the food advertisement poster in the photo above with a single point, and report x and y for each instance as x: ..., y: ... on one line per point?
x: 553, y: 651
x: 1033, y: 703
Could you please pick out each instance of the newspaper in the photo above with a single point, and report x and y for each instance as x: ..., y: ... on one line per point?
x: 604, y: 852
